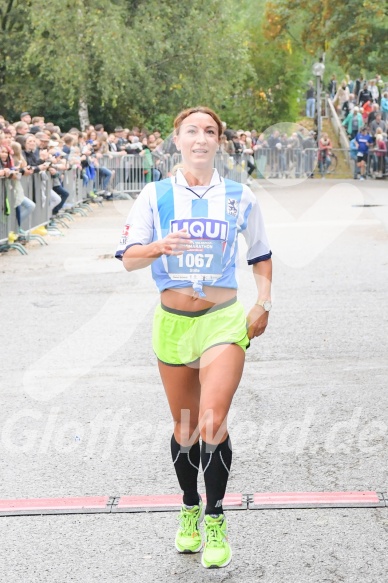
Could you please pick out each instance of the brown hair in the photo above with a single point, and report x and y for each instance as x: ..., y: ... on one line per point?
x: 199, y: 109
x: 17, y: 155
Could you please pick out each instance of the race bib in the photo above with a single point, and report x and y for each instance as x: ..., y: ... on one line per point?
x: 202, y: 261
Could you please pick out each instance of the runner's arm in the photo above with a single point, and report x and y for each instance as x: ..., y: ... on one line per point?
x: 138, y: 256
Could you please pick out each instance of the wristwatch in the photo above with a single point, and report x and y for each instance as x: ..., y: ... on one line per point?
x: 266, y: 304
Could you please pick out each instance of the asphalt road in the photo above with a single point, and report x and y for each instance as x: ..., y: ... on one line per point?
x: 83, y: 412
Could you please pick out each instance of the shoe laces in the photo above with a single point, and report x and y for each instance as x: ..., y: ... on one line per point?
x: 188, y: 519
x: 215, y: 536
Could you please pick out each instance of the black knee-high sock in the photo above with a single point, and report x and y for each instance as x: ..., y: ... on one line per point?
x: 186, y: 463
x: 216, y: 461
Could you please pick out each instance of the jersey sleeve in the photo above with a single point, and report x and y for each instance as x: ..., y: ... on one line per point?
x: 254, y: 231
x: 139, y: 226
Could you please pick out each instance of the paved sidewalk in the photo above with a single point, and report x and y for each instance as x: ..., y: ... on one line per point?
x: 83, y: 412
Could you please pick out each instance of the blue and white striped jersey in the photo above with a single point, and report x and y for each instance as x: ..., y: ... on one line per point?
x: 213, y: 215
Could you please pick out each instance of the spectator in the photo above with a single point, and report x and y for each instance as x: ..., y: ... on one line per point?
x: 309, y: 146
x: 254, y: 137
x: 366, y: 109
x: 380, y: 152
x: 29, y: 147
x: 353, y: 156
x: 25, y: 116
x: 37, y: 125
x: 275, y: 145
x: 363, y: 142
x: 112, y: 144
x: 22, y: 128
x: 374, y: 91
x: 332, y: 86
x: 152, y: 145
x: 133, y: 146
x: 364, y: 95
x: 377, y: 123
x: 372, y: 114
x: 380, y: 86
x: 384, y: 106
x: 68, y: 143
x: 358, y: 85
x: 310, y: 100
x: 237, y: 146
x: 146, y: 155
x: 42, y: 141
x: 7, y: 137
x: 261, y: 152
x: 58, y: 164
x: 353, y: 123
x: 14, y: 168
x: 227, y: 145
x: 352, y: 102
x: 324, y: 153
x: 248, y: 155
x: 158, y: 137
x: 121, y: 141
x: 341, y: 99
x: 104, y: 174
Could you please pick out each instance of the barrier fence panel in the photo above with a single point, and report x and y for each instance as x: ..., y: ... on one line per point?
x: 70, y: 184
x: 377, y: 164
x: 285, y: 162
x: 38, y: 188
x: 5, y: 209
x: 130, y: 173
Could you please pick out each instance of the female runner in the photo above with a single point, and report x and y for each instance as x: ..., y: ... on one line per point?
x: 186, y: 227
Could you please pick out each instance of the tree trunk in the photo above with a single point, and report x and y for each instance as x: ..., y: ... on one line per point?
x: 83, y: 114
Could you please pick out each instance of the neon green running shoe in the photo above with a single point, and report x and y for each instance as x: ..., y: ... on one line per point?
x: 188, y: 538
x: 217, y: 552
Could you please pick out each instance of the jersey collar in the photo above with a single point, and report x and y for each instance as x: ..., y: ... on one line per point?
x: 180, y: 179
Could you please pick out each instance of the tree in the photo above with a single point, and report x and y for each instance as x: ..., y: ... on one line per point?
x: 75, y: 46
x: 355, y: 33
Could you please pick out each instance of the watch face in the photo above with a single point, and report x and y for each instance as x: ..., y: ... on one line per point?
x: 267, y: 305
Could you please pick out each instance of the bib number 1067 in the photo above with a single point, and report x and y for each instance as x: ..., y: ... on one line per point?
x: 195, y: 260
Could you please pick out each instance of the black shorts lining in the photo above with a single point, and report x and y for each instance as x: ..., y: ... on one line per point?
x: 215, y: 308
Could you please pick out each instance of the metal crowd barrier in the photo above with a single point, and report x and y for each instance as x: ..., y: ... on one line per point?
x: 377, y: 164
x: 5, y: 209
x: 37, y: 188
x: 130, y: 173
x: 127, y: 173
x: 285, y: 162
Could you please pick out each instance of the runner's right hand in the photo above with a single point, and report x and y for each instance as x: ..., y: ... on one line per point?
x: 174, y: 244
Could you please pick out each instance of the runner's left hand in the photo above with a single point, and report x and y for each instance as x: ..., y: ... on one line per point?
x: 257, y: 321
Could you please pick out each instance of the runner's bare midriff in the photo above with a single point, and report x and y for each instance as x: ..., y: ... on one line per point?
x: 184, y: 299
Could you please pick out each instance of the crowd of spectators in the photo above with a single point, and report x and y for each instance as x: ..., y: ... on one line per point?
x: 362, y: 106
x: 31, y: 146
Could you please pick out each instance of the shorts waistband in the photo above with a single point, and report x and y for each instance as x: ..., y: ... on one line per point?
x: 215, y: 308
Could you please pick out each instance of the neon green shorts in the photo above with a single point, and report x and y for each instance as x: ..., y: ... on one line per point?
x: 180, y: 338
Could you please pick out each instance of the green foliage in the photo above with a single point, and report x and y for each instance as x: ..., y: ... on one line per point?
x: 353, y: 33
x: 138, y: 62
